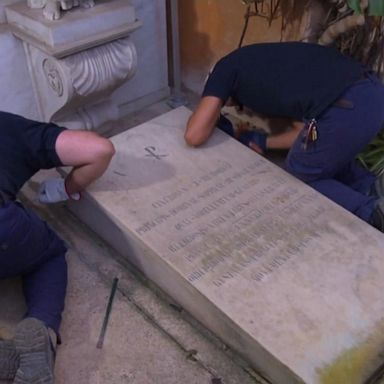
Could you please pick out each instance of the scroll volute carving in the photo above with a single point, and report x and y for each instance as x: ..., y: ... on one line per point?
x: 102, y: 68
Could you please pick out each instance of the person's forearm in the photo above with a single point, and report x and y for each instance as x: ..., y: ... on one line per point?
x: 88, y: 153
x: 82, y: 176
x: 284, y: 140
x: 203, y: 120
x: 195, y: 137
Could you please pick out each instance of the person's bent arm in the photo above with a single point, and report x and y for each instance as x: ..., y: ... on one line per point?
x: 203, y: 120
x: 88, y: 153
x: 286, y: 139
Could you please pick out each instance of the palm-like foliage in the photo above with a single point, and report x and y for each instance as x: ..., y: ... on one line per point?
x: 373, y: 156
x: 355, y: 27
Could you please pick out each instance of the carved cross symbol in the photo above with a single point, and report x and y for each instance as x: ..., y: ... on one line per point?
x: 151, y: 152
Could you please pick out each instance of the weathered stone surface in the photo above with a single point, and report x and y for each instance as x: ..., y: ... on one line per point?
x: 282, y: 274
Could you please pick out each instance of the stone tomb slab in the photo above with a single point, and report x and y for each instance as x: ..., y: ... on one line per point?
x: 287, y: 278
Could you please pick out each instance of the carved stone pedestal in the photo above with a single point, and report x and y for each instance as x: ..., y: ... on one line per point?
x: 76, y: 62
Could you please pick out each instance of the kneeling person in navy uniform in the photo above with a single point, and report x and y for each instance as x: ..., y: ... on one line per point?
x: 336, y: 101
x: 28, y: 246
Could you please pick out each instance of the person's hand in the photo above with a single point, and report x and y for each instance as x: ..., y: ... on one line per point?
x: 53, y: 191
x: 254, y: 139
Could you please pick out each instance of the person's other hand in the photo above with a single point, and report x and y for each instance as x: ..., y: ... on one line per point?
x: 53, y: 191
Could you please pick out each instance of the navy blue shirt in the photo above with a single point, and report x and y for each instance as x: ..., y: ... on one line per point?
x: 292, y: 79
x: 26, y: 146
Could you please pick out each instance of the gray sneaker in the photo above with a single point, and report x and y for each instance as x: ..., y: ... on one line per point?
x: 36, y: 353
x: 378, y: 215
x: 9, y: 360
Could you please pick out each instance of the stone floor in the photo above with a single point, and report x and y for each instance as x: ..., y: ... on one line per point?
x: 149, y: 339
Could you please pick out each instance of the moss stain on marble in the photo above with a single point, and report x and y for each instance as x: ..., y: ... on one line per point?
x: 357, y: 364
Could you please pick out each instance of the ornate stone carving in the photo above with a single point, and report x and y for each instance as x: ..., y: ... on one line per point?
x: 76, y: 63
x: 52, y: 8
x: 103, y: 67
x: 69, y: 88
x: 53, y: 76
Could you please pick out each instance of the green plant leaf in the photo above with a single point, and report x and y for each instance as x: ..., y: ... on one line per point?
x: 373, y: 156
x: 376, y: 8
x: 355, y: 5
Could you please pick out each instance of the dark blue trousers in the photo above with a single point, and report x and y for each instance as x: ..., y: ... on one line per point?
x: 328, y: 163
x: 29, y: 248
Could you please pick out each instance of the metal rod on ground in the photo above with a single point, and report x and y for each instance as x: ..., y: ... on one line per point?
x: 107, y: 313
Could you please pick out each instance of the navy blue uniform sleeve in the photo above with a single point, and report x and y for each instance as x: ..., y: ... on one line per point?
x: 221, y: 81
x: 26, y: 146
x: 41, y: 143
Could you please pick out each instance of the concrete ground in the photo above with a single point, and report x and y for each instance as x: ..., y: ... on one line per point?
x: 149, y: 339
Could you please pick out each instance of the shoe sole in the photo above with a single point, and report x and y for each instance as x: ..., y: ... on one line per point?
x: 9, y: 360
x: 36, y: 357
